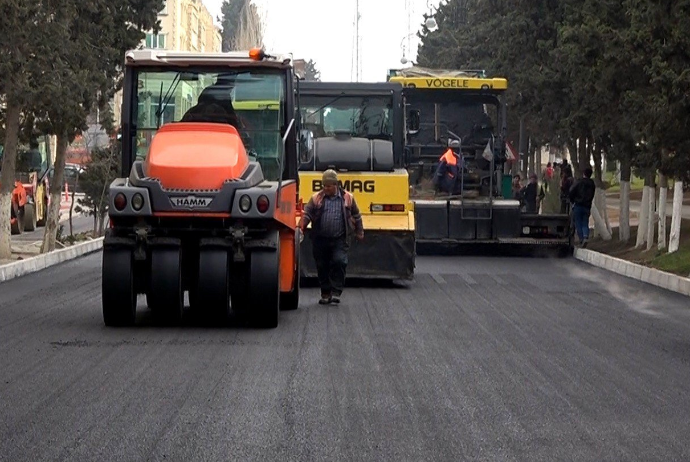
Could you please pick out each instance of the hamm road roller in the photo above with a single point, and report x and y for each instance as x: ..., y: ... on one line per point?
x: 208, y: 201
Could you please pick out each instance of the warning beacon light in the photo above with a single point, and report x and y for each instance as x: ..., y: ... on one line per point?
x: 257, y: 54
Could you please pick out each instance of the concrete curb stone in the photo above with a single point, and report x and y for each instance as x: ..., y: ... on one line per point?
x: 43, y: 261
x: 641, y: 273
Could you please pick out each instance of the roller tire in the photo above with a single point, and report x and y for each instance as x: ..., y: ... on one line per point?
x: 212, y: 293
x: 30, y: 217
x: 239, y: 293
x: 289, y: 301
x: 166, y: 295
x: 264, y: 286
x: 117, y: 288
x: 18, y: 226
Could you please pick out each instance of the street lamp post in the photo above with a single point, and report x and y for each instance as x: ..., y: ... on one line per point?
x: 430, y: 22
x: 404, y: 59
x: 431, y: 26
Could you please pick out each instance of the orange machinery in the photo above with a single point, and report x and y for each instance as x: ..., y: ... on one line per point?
x: 207, y: 205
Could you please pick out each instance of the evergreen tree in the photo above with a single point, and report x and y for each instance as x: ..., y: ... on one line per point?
x: 311, y: 72
x: 63, y: 58
x: 241, y: 25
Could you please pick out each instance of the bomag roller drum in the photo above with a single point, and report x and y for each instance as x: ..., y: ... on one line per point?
x: 198, y: 217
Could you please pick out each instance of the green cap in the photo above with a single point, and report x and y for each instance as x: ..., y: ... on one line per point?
x: 330, y: 176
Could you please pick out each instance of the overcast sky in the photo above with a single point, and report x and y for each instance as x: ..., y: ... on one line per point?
x: 323, y: 30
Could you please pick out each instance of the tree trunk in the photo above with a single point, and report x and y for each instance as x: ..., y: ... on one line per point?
x: 101, y: 225
x: 598, y: 168
x: 582, y: 157
x: 624, y: 211
x: 674, y: 240
x: 642, y: 224
x: 9, y: 163
x: 598, y: 216
x: 588, y: 156
x: 71, y: 209
x: 600, y: 196
x: 522, y: 150
x: 652, y: 216
x: 572, y: 150
x: 54, y: 210
x: 532, y: 159
x: 663, y: 192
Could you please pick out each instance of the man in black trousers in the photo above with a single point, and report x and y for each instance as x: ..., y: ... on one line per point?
x: 335, y: 218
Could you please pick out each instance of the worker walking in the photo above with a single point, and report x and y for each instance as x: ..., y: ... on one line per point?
x: 566, y: 184
x: 582, y: 195
x: 335, y: 218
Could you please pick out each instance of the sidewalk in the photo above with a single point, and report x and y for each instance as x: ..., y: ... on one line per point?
x: 66, y: 203
x: 28, y: 244
x: 636, y: 205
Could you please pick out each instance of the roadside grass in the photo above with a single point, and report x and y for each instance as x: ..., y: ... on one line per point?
x: 676, y: 263
x: 636, y: 184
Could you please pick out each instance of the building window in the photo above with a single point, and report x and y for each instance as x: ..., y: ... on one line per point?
x: 155, y: 41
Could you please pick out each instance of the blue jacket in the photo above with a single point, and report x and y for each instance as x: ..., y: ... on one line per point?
x: 447, y: 178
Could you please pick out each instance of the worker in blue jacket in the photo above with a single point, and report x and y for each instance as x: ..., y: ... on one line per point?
x: 447, y: 177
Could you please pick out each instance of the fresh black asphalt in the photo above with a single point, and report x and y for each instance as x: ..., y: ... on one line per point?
x: 479, y: 358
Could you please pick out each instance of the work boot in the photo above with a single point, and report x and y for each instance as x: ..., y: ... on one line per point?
x: 325, y: 299
x: 335, y: 298
x: 584, y: 243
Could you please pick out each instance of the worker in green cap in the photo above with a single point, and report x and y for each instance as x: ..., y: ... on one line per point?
x: 335, y: 219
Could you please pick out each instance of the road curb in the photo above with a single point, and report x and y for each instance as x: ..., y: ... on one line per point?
x: 43, y: 261
x: 641, y: 273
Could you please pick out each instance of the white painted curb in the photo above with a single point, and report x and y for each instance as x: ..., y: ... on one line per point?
x: 651, y: 276
x: 39, y: 262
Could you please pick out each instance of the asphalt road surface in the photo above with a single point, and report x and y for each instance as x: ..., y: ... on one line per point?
x: 493, y: 359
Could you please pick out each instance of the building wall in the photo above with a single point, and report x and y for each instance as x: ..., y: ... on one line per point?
x: 186, y: 25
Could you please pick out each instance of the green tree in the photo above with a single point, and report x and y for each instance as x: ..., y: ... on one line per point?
x: 88, y: 42
x: 240, y: 24
x: 511, y: 39
x: 19, y: 23
x: 61, y: 58
x: 100, y: 172
x: 311, y: 72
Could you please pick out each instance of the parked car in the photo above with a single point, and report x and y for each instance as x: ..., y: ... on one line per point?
x: 71, y: 176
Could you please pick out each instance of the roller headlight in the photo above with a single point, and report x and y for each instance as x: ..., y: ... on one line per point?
x: 245, y: 203
x: 137, y: 202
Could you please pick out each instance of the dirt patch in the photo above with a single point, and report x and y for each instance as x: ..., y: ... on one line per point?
x: 614, y: 215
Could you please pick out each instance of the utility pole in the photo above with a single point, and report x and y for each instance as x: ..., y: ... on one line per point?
x: 357, y: 39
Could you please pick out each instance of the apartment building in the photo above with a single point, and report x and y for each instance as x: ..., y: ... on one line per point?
x: 186, y: 25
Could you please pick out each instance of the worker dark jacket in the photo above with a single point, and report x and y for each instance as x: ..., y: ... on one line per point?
x: 353, y: 219
x: 582, y: 192
x: 530, y: 195
x: 447, y: 178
